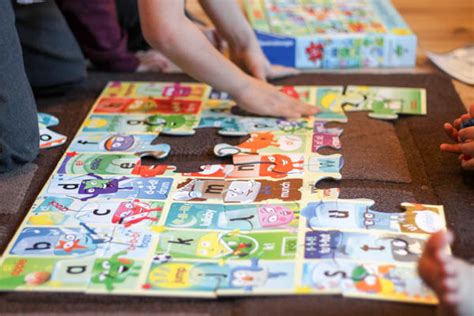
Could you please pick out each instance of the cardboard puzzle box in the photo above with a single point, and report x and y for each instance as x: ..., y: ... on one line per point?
x: 332, y: 34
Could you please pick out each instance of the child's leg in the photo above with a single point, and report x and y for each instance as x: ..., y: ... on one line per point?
x: 451, y: 279
x: 19, y: 137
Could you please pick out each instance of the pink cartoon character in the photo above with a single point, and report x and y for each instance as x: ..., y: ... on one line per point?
x: 270, y: 215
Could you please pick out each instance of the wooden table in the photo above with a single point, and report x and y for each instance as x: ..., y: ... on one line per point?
x: 441, y: 26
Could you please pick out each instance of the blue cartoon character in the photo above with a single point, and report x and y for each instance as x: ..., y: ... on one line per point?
x: 99, y: 186
x: 247, y: 278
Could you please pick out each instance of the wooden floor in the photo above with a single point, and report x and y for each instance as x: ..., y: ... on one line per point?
x: 440, y: 26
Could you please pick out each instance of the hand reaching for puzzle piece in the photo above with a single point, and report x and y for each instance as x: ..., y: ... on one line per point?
x: 262, y: 98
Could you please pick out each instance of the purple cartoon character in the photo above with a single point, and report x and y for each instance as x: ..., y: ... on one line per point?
x: 99, y: 186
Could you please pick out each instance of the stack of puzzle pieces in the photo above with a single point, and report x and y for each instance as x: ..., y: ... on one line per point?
x: 106, y: 223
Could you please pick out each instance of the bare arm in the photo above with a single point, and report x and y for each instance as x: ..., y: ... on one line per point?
x: 166, y: 28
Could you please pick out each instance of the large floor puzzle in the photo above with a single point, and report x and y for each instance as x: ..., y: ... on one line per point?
x: 106, y: 223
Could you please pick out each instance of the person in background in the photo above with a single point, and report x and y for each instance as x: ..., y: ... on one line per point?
x: 19, y: 135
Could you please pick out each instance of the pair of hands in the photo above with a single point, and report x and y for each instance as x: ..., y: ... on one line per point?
x: 464, y: 140
x: 256, y: 96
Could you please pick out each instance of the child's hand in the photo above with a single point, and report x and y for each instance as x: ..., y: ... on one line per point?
x: 262, y: 98
x: 467, y: 152
x: 252, y: 60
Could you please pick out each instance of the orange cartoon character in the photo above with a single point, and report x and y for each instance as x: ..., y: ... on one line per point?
x: 259, y: 141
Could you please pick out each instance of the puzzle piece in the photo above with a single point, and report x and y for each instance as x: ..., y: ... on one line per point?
x: 140, y: 144
x: 265, y: 142
x: 66, y: 211
x: 49, y: 138
x: 325, y: 137
x: 92, y: 186
x: 248, y: 217
x: 157, y: 90
x: 322, y: 167
x: 228, y: 245
x: 354, y: 279
x: 385, y: 102
x: 357, y: 214
x: 238, y: 191
x: 110, y: 164
x: 254, y: 166
x: 329, y: 101
x: 141, y: 123
x: 372, y: 246
x: 148, y: 106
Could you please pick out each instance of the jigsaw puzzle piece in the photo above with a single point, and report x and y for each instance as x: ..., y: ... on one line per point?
x: 325, y: 137
x: 141, y: 123
x: 51, y: 273
x: 255, y: 166
x: 324, y: 167
x: 140, y: 144
x: 368, y: 246
x: 265, y: 143
x: 248, y: 217
x: 147, y: 106
x: 49, y: 138
x: 329, y: 100
x: 367, y: 280
x: 92, y: 186
x: 358, y: 214
x: 66, y: 211
x: 238, y: 191
x: 228, y: 245
x: 111, y: 164
x: 157, y: 90
x: 385, y: 102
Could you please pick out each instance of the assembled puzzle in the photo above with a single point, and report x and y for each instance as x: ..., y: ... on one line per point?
x: 106, y: 223
x: 332, y: 33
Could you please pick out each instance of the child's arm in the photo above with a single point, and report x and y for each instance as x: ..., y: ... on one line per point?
x: 244, y: 48
x: 167, y: 29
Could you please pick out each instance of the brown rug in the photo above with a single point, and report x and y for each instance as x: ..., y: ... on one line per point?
x: 428, y: 176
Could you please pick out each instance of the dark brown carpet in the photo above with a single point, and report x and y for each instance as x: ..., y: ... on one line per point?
x: 429, y: 177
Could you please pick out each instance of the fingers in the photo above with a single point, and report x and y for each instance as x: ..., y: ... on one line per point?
x: 471, y: 111
x: 277, y: 72
x: 467, y: 164
x: 451, y: 148
x: 451, y: 131
x: 467, y: 148
x: 466, y: 134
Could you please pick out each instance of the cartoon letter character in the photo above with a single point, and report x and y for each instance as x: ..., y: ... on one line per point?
x: 259, y: 141
x: 119, y: 143
x: 274, y: 215
x: 130, y: 213
x: 151, y: 170
x: 114, y: 270
x: 99, y: 185
x: 278, y: 166
x: 250, y: 277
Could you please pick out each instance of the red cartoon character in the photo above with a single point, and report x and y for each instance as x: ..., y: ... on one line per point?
x: 278, y: 166
x: 131, y: 213
x: 150, y: 171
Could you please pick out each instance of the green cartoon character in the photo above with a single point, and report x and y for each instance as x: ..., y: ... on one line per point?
x: 115, y: 270
x: 171, y: 122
